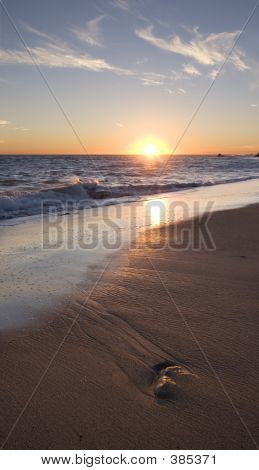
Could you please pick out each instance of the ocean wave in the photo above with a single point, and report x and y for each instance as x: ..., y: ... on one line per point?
x: 89, y: 193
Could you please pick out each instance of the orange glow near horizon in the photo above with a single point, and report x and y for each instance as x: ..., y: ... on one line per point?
x: 149, y: 146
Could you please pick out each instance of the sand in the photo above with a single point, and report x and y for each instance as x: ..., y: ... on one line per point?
x: 157, y: 315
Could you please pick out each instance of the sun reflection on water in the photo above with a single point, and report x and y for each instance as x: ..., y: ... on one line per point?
x: 155, y: 211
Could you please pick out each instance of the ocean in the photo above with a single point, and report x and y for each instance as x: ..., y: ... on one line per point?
x: 27, y: 181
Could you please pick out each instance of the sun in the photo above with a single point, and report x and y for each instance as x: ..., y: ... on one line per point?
x: 150, y: 146
x: 150, y: 150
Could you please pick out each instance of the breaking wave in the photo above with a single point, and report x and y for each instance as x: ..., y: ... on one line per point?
x: 89, y: 193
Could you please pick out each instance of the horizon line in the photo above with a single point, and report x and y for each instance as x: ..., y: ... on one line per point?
x: 124, y: 154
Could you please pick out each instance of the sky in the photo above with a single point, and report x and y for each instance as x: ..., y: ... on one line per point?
x: 111, y: 76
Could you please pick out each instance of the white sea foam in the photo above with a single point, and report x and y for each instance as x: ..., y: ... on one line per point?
x: 28, y: 182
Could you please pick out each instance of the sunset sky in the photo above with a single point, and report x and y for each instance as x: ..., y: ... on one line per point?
x: 126, y: 72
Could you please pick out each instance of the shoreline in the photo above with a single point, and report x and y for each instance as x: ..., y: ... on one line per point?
x: 124, y: 200
x: 36, y: 280
x: 100, y: 391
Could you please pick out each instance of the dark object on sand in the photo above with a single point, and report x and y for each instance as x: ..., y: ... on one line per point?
x: 257, y: 155
x: 170, y: 377
x: 165, y: 385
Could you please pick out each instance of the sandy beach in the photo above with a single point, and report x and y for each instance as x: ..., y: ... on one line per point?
x: 129, y: 233
x: 156, y: 315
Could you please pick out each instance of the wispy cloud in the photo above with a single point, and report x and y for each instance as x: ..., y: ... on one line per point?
x: 56, y: 54
x: 119, y: 124
x: 207, y: 50
x: 191, y: 70
x: 122, y: 4
x: 91, y: 33
x: 4, y: 123
x: 212, y: 74
x: 22, y: 128
x: 186, y: 72
x: 177, y: 75
x: 152, y: 79
x: 177, y: 91
x: 38, y: 33
x: 254, y: 105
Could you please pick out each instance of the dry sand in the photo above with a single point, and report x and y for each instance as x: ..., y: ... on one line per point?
x: 194, y: 309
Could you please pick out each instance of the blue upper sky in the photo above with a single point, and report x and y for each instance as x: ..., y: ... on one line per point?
x: 128, y: 70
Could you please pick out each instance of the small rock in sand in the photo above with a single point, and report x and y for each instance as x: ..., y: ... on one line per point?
x: 165, y: 385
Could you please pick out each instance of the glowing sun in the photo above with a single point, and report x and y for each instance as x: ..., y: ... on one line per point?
x: 150, y: 146
x: 150, y: 150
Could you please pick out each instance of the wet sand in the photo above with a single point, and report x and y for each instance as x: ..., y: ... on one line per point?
x: 159, y: 315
